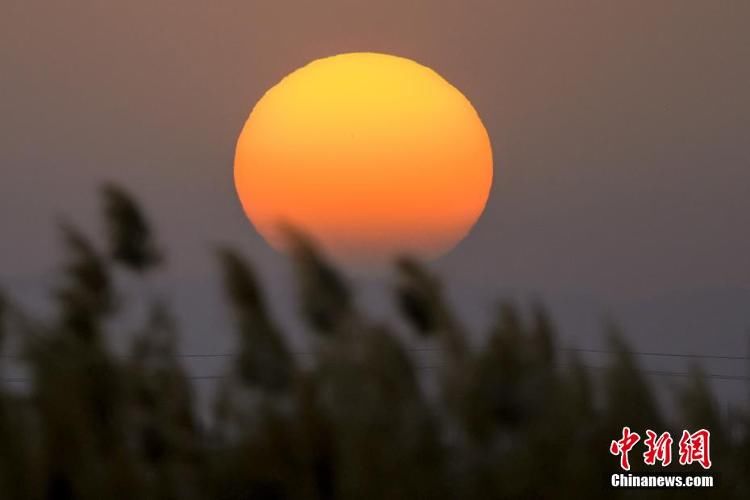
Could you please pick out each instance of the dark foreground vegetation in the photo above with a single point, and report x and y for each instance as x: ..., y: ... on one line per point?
x: 515, y: 419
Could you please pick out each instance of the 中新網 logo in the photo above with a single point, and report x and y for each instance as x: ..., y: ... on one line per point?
x: 692, y: 448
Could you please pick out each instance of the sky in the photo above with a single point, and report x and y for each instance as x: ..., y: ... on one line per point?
x: 621, y: 130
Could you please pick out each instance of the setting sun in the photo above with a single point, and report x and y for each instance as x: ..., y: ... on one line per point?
x: 372, y: 155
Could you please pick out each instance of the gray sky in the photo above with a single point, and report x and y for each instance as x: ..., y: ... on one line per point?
x: 621, y: 130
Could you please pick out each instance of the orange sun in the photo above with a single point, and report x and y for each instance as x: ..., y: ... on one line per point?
x: 372, y: 155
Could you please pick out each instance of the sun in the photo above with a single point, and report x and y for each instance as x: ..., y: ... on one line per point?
x: 372, y: 155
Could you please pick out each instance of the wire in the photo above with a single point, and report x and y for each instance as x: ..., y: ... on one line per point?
x: 663, y: 354
x: 666, y: 373
x: 715, y: 376
x: 435, y: 349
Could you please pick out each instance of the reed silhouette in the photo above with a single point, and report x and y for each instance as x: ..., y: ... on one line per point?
x: 512, y: 419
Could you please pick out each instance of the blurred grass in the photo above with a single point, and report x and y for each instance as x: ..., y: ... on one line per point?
x: 511, y: 420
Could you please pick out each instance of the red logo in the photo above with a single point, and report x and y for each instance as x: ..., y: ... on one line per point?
x: 659, y: 448
x: 623, y: 446
x: 693, y: 448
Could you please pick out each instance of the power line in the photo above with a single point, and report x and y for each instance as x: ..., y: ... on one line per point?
x: 435, y: 349
x: 715, y: 376
x: 663, y: 354
x: 666, y: 373
x: 575, y: 349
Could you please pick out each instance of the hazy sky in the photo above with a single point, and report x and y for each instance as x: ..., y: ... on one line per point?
x: 621, y: 130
